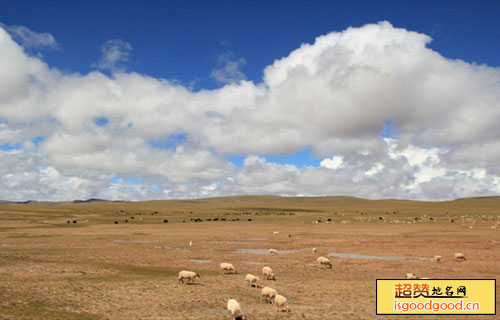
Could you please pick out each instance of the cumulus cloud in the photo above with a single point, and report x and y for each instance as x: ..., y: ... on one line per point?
x: 228, y: 69
x: 30, y: 39
x: 333, y: 97
x: 114, y: 54
x: 333, y: 163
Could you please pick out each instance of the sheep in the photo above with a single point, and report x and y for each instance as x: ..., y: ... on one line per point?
x: 190, y: 243
x: 268, y: 273
x: 314, y: 250
x: 459, y: 257
x: 275, y: 233
x: 324, y: 262
x: 235, y: 309
x: 411, y: 276
x: 280, y: 303
x: 268, y: 294
x: 189, y: 275
x: 273, y: 251
x: 227, y: 268
x: 437, y: 258
x: 251, y: 280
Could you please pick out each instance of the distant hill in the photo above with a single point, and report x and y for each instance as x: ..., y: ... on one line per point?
x: 90, y: 200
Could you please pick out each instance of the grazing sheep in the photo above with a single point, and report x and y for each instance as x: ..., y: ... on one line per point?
x: 251, y: 280
x: 459, y: 257
x: 437, y: 258
x: 235, y: 309
x: 280, y: 303
x: 324, y: 262
x: 189, y: 275
x: 314, y: 250
x: 227, y: 268
x: 273, y: 251
x: 268, y: 273
x: 275, y: 232
x: 411, y: 276
x: 190, y: 243
x: 268, y: 294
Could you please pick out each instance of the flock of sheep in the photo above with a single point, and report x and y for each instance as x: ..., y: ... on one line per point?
x: 459, y: 257
x: 268, y: 294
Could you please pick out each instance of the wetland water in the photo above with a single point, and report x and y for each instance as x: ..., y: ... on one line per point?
x: 362, y: 256
x: 265, y: 251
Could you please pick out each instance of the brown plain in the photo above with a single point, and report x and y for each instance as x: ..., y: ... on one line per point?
x: 96, y: 269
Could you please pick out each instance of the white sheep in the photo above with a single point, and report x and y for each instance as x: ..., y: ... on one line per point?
x: 268, y: 273
x: 324, y: 262
x: 280, y: 303
x: 459, y: 257
x: 314, y: 250
x: 275, y: 233
x: 189, y: 275
x: 437, y: 258
x: 411, y: 276
x: 251, y: 280
x: 227, y: 268
x: 268, y: 294
x: 235, y: 309
x: 273, y: 251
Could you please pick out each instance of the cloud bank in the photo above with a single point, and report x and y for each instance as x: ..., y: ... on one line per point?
x: 131, y: 136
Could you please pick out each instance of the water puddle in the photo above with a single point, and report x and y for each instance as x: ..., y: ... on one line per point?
x: 4, y: 245
x: 180, y: 250
x: 256, y: 239
x: 135, y: 241
x: 230, y: 242
x: 264, y: 251
x: 200, y: 260
x: 362, y: 256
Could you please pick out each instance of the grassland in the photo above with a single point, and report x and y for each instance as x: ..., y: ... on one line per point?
x: 96, y: 269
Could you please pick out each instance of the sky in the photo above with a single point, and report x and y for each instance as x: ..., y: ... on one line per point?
x: 143, y: 100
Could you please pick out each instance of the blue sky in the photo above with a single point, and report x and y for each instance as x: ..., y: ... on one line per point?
x: 182, y: 39
x: 220, y: 63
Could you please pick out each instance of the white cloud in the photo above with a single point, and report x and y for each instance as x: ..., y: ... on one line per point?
x: 114, y: 53
x: 228, y: 69
x: 334, y: 163
x: 30, y: 39
x: 333, y: 96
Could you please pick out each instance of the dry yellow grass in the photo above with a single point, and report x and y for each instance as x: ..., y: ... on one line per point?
x: 96, y: 269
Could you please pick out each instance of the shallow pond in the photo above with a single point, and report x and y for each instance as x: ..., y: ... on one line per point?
x: 200, y: 260
x: 362, y: 256
x: 265, y: 251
